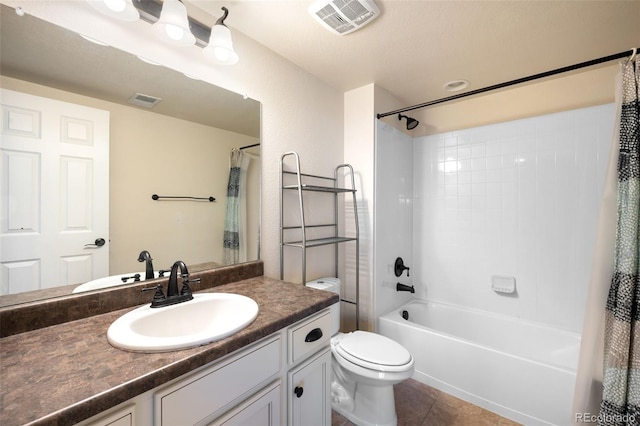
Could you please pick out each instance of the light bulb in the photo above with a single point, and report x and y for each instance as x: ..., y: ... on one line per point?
x: 174, y: 32
x: 221, y: 54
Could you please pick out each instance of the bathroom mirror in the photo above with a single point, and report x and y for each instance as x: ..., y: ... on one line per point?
x: 45, y: 60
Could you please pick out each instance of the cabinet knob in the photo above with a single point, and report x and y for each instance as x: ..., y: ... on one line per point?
x: 298, y: 391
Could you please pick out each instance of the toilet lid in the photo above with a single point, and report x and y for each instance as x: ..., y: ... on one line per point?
x: 373, y: 350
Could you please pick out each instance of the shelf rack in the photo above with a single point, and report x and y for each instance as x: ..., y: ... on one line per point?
x: 303, y: 242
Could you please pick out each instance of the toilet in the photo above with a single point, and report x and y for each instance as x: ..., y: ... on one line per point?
x: 365, y: 366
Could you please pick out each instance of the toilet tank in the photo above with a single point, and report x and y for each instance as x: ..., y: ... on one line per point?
x: 331, y: 284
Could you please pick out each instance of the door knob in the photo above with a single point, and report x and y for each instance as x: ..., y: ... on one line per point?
x: 99, y: 242
x: 298, y: 391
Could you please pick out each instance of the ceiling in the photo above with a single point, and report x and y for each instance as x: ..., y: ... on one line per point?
x: 414, y: 47
x: 411, y: 50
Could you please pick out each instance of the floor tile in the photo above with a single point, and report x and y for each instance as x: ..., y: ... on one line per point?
x: 420, y: 405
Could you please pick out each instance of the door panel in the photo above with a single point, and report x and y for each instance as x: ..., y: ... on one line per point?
x: 55, y: 193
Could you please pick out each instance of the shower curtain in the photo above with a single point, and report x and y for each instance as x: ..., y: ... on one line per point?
x: 621, y: 381
x: 234, y: 244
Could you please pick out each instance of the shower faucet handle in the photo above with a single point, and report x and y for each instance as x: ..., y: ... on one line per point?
x: 399, y: 267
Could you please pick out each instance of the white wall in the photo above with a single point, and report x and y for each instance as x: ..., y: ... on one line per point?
x: 360, y: 107
x: 520, y: 199
x: 299, y: 112
x: 393, y: 228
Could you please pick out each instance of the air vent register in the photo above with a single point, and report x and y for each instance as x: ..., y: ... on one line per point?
x: 344, y: 16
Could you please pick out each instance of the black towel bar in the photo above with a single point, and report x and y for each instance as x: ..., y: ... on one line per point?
x: 182, y: 197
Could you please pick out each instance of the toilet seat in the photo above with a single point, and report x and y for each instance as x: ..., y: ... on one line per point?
x: 373, y: 351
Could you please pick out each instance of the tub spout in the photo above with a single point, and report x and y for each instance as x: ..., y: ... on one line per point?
x: 403, y: 287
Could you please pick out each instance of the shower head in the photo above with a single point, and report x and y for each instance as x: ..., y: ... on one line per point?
x: 412, y: 123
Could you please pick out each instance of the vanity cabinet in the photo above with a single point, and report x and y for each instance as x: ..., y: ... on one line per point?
x: 263, y: 409
x: 125, y: 416
x: 284, y: 378
x: 309, y: 377
x: 203, y: 396
x: 309, y: 388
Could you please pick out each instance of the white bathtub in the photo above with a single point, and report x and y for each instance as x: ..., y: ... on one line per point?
x: 518, y: 369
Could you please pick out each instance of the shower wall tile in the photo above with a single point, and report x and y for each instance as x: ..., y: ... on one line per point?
x: 518, y: 198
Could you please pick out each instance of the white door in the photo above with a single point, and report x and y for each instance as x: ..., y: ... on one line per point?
x: 54, y: 182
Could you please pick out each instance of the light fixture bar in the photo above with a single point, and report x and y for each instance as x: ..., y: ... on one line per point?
x: 150, y: 12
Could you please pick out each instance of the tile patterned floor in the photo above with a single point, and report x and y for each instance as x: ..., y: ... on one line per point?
x: 420, y: 405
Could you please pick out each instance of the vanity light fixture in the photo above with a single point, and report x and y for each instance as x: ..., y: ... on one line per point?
x: 119, y: 9
x: 94, y: 40
x: 148, y: 61
x: 170, y: 21
x: 220, y: 47
x: 173, y: 25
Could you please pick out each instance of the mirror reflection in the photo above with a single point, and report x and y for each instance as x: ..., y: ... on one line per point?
x: 180, y: 149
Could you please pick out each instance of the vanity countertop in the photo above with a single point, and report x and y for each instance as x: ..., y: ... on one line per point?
x: 66, y: 373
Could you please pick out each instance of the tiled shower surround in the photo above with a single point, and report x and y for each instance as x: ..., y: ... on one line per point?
x: 517, y: 199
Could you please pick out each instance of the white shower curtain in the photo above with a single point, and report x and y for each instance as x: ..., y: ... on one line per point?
x: 235, y: 224
x: 588, y: 389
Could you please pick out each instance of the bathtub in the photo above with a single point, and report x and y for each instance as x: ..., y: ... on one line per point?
x: 518, y: 369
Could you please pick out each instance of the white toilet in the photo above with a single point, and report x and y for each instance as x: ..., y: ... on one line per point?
x: 365, y: 367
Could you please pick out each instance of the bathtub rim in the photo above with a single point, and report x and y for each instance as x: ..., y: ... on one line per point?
x: 395, y: 315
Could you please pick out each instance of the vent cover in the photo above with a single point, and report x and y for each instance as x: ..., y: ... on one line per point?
x: 344, y: 16
x: 143, y: 100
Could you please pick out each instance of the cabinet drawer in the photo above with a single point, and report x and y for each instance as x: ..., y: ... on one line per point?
x: 309, y: 336
x: 262, y: 409
x: 199, y: 397
x: 122, y: 417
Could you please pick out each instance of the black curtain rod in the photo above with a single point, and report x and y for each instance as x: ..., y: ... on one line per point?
x: 249, y: 146
x: 517, y: 81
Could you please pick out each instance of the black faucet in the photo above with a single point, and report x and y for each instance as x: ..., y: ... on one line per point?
x: 403, y: 287
x: 173, y: 295
x: 145, y: 256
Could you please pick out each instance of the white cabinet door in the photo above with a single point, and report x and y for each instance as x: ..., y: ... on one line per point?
x: 125, y: 416
x: 309, y: 392
x: 263, y: 409
x: 54, y: 184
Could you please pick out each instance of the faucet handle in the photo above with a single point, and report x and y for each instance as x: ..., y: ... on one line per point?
x: 158, y: 295
x: 400, y: 267
x: 185, y: 284
x: 135, y: 277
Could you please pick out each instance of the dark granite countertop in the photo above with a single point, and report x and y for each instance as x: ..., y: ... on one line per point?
x: 66, y: 373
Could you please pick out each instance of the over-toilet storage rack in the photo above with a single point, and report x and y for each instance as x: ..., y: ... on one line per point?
x: 301, y: 185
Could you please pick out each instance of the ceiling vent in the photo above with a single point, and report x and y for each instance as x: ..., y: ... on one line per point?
x: 344, y: 16
x: 142, y: 100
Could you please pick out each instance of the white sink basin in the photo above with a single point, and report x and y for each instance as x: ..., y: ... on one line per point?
x: 205, y: 319
x: 109, y: 281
